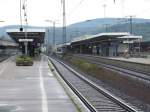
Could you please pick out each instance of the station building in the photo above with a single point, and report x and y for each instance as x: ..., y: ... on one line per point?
x: 28, y: 38
x: 105, y: 44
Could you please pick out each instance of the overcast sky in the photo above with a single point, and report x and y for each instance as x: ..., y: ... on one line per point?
x: 76, y: 10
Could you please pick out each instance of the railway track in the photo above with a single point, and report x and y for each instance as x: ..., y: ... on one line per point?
x: 3, y: 59
x: 96, y: 98
x: 130, y: 72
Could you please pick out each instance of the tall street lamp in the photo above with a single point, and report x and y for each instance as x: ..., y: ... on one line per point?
x: 54, y: 23
x: 64, y: 20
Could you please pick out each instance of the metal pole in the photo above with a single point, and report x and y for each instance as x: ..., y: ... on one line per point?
x: 54, y: 33
x: 48, y: 42
x: 131, y: 25
x: 139, y: 46
x: 47, y: 39
x: 122, y: 2
x: 64, y: 22
x: 104, y: 6
x: 26, y: 43
x: 131, y: 31
x: 21, y: 13
x: 128, y: 46
x: 26, y: 22
x: 107, y: 27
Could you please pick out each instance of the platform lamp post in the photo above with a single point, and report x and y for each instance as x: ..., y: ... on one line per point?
x: 54, y: 34
x: 47, y: 40
x: 54, y: 23
x: 104, y: 6
x: 24, y: 7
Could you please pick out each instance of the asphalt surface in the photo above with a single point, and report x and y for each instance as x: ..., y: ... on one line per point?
x: 31, y: 89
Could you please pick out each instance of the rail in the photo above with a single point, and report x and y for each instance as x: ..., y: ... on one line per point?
x: 93, y: 85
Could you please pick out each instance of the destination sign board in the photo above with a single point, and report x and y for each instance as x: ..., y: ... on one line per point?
x: 25, y: 40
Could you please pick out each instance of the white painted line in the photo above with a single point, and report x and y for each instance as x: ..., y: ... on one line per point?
x: 43, y: 92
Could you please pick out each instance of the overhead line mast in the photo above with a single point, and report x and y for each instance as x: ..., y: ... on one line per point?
x: 24, y: 7
x: 64, y: 21
x: 21, y: 15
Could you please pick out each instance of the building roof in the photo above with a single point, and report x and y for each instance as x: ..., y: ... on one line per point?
x: 131, y: 37
x: 81, y: 38
x: 36, y: 34
x: 62, y: 45
x: 101, y: 36
x: 112, y: 34
x: 26, y: 29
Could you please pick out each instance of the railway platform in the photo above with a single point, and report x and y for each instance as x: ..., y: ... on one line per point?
x: 130, y: 59
x: 32, y: 88
x: 134, y: 60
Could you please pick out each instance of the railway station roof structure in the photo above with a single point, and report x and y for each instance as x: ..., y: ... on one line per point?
x: 63, y: 45
x: 36, y: 34
x: 102, y: 37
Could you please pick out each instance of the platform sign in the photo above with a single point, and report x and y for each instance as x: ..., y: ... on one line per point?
x: 25, y: 40
x: 128, y: 42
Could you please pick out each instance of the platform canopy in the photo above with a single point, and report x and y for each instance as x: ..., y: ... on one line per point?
x: 36, y: 34
x: 100, y: 36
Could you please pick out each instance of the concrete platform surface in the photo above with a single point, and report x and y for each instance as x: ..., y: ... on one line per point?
x: 136, y: 60
x: 31, y: 89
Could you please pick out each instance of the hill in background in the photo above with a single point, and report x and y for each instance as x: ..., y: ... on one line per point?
x: 139, y: 27
x: 91, y: 27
